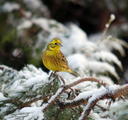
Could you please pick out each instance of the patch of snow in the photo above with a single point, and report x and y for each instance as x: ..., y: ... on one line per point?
x: 113, y: 45
x: 26, y: 24
x: 95, y: 37
x: 27, y: 14
x: 102, y: 67
x: 2, y: 97
x: 112, y: 88
x: 112, y: 17
x: 108, y: 44
x: 78, y: 62
x: 26, y: 113
x: 34, y: 80
x: 10, y: 6
x: 107, y: 56
x: 33, y: 4
x: 107, y: 25
x: 106, y: 79
x: 117, y: 110
x: 42, y: 22
x: 94, y: 94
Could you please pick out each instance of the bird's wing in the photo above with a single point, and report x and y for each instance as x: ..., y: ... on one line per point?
x: 63, y: 58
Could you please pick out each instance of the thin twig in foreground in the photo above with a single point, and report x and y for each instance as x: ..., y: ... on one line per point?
x: 61, y: 78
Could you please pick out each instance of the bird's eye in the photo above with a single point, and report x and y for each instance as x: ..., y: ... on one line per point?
x: 55, y: 43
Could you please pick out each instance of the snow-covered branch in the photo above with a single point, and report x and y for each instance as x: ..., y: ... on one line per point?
x: 51, y: 92
x: 65, y: 87
x: 92, y: 97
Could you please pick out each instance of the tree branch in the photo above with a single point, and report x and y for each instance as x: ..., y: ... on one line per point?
x: 89, y: 97
x: 65, y: 87
x: 31, y: 101
x: 92, y: 97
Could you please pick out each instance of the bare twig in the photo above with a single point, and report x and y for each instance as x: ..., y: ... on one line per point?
x: 33, y: 100
x: 104, y: 109
x: 56, y: 118
x: 56, y: 75
x: 50, y: 75
x: 88, y: 79
x: 112, y: 18
x: 122, y: 97
x: 61, y: 78
x: 75, y: 110
x: 53, y: 80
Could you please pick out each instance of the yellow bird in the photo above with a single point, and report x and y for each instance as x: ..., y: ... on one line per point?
x: 53, y: 59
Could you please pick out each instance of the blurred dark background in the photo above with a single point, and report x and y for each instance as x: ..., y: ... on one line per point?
x: 90, y: 15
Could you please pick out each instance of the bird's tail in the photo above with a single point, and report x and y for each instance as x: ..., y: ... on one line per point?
x: 73, y: 73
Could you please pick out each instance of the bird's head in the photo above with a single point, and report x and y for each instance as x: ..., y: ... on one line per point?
x: 55, y: 44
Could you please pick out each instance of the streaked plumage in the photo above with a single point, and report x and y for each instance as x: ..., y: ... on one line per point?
x: 53, y: 59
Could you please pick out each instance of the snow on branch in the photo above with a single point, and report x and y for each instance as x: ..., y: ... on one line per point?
x: 27, y: 113
x: 117, y: 111
x: 92, y: 97
x: 65, y: 87
x: 19, y: 100
x: 107, y: 57
x: 113, y: 92
x: 103, y: 67
x: 121, y: 42
x: 53, y: 99
x: 16, y: 85
x: 10, y: 6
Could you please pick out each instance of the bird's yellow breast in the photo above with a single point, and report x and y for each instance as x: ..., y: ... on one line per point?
x: 52, y: 61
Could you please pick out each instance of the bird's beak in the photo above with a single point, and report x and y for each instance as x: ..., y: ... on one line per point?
x: 60, y: 45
